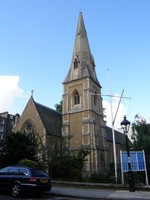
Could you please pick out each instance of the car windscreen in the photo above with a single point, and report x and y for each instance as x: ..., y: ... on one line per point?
x: 4, y: 170
x: 39, y: 173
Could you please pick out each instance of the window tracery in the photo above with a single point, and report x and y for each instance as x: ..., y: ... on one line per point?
x: 28, y: 127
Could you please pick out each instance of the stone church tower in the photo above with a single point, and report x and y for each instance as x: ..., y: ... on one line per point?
x: 82, y: 104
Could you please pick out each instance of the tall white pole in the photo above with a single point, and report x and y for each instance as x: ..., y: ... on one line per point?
x: 113, y: 132
x: 145, y: 168
x: 118, y: 106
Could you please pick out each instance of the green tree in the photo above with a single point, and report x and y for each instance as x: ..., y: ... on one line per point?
x: 59, y: 106
x: 141, y: 138
x: 69, y: 164
x: 61, y: 162
x: 141, y: 134
x: 18, y: 146
x: 47, y: 151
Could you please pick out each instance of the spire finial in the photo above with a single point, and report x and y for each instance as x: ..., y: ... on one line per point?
x: 32, y: 91
x: 80, y: 10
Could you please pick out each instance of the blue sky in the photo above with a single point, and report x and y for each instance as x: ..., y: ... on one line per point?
x: 36, y: 46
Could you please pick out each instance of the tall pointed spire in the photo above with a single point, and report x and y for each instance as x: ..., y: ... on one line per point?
x: 82, y: 64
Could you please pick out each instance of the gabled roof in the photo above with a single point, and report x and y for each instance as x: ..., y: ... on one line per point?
x: 82, y: 56
x: 51, y: 119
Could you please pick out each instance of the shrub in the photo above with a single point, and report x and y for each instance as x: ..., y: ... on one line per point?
x: 29, y: 163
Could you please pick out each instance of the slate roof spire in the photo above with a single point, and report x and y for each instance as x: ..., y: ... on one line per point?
x: 82, y: 64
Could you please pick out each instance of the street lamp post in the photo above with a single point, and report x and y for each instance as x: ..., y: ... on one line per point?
x: 125, y: 126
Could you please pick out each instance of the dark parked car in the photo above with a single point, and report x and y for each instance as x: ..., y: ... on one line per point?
x: 20, y: 179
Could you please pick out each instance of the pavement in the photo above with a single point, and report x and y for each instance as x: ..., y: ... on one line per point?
x: 99, y: 193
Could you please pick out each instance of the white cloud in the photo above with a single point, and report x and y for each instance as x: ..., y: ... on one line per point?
x: 9, y: 90
x: 119, y: 114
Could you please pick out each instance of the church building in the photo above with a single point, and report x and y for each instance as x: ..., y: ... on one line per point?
x: 82, y: 118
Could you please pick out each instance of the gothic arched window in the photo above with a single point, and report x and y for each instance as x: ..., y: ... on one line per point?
x: 28, y: 127
x: 76, y: 98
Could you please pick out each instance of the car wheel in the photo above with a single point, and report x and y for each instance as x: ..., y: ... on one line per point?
x: 16, y: 190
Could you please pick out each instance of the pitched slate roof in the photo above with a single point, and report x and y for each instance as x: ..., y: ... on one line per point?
x: 119, y: 137
x: 51, y: 119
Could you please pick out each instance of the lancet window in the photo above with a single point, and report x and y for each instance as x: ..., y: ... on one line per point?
x: 95, y: 98
x: 75, y: 63
x: 76, y: 98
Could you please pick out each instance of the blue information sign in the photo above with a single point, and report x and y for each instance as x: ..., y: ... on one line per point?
x: 136, y: 159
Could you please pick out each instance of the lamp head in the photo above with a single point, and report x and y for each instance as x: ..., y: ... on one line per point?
x: 125, y: 124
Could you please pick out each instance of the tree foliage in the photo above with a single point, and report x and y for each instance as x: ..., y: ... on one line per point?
x: 18, y: 146
x: 141, y: 134
x: 59, y: 106
x: 69, y: 164
x: 29, y: 163
x: 141, y: 138
x: 61, y: 162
